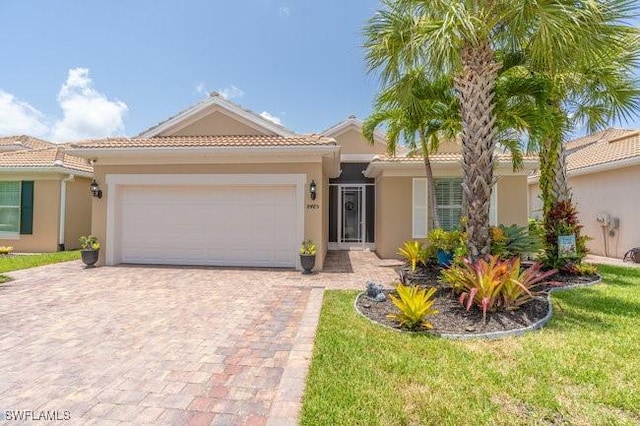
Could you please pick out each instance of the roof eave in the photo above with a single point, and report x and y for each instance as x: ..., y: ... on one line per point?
x: 47, y: 169
x: 90, y: 153
x: 375, y: 168
x: 603, y: 167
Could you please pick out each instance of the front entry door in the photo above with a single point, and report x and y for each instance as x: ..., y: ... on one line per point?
x: 351, y: 232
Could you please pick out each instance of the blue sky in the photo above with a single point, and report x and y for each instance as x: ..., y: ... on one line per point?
x: 86, y: 68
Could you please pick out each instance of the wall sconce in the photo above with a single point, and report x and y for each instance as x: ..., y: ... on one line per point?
x: 312, y: 189
x: 95, y: 189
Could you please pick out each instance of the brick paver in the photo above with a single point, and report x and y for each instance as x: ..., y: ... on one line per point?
x: 163, y: 345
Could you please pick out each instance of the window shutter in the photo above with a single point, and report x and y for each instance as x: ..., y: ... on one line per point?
x: 419, y: 208
x: 26, y: 208
x: 493, y: 206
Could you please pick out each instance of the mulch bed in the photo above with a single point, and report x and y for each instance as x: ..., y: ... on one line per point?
x: 452, y: 318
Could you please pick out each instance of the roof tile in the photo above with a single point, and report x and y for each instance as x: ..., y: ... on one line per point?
x: 204, y: 141
x: 54, y: 157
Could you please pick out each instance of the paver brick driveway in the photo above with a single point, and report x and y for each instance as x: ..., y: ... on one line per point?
x: 161, y: 345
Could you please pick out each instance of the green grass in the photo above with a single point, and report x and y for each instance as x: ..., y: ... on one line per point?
x: 13, y: 263
x: 582, y: 368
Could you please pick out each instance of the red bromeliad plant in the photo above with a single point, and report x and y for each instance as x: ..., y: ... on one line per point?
x: 481, y: 283
x: 518, y: 287
x: 494, y: 283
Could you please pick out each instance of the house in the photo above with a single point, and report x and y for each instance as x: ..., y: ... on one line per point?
x: 603, y: 171
x: 45, y: 204
x: 219, y: 185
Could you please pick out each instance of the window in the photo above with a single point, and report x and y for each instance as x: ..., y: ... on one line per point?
x: 449, y: 198
x: 10, y: 197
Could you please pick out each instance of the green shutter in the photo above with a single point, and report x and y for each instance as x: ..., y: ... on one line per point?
x: 26, y: 208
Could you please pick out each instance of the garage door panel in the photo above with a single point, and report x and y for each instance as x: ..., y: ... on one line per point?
x: 209, y: 225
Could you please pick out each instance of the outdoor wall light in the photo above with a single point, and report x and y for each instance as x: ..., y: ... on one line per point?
x: 95, y: 189
x: 312, y: 189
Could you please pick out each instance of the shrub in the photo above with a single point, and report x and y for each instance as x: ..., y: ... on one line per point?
x: 583, y: 268
x: 415, y: 304
x: 89, y: 242
x: 5, y: 250
x: 511, y: 241
x: 562, y: 219
x: 414, y: 253
x: 445, y: 240
x: 519, y: 286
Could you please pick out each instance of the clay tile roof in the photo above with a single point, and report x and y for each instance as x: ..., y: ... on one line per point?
x: 205, y: 142
x: 54, y: 157
x: 607, y: 134
x: 21, y: 142
x: 607, y: 146
x: 444, y: 157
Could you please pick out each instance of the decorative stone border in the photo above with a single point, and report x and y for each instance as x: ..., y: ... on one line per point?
x: 492, y: 334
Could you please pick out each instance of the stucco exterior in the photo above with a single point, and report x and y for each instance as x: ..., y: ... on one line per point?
x: 351, y: 141
x: 217, y: 123
x: 78, y: 212
x: 315, y: 219
x: 394, y: 209
x: 611, y: 192
x: 46, y: 214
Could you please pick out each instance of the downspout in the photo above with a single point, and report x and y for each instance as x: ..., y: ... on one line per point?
x: 63, y: 210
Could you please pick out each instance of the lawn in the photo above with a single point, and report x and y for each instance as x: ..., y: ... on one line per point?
x: 582, y: 368
x: 13, y: 263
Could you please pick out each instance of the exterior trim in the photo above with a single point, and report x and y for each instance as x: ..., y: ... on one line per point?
x: 39, y: 170
x: 198, y: 111
x: 409, y: 169
x: 357, y: 158
x: 115, y: 182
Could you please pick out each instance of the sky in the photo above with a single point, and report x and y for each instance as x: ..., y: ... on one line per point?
x: 76, y: 69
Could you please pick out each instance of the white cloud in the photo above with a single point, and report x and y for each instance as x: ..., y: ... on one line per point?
x: 18, y: 117
x: 284, y: 10
x: 273, y: 118
x: 87, y: 113
x: 201, y: 88
x: 231, y: 92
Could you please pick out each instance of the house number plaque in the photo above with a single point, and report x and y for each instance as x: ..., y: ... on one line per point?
x: 313, y: 206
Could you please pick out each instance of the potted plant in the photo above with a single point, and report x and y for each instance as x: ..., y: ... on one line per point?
x: 307, y: 256
x: 90, y: 250
x: 445, y: 244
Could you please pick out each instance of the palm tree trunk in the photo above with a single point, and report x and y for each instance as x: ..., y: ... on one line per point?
x: 560, y: 184
x: 475, y: 87
x: 431, y: 185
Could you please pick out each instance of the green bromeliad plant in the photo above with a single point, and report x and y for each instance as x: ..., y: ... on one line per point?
x: 414, y: 253
x: 414, y: 304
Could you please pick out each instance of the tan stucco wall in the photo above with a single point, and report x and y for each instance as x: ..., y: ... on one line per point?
x: 612, y: 192
x: 216, y: 123
x: 393, y: 214
x: 352, y: 142
x: 78, y: 214
x: 46, y: 220
x: 314, y: 220
x: 512, y: 200
x: 394, y: 209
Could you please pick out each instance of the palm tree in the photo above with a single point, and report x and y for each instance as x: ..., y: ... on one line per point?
x: 462, y: 38
x: 419, y: 112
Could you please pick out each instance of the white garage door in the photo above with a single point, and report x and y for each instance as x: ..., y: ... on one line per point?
x: 209, y: 225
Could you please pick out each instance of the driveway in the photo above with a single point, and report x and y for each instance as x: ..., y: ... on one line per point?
x: 165, y: 345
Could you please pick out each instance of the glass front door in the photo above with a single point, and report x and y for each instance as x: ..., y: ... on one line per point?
x: 352, y: 215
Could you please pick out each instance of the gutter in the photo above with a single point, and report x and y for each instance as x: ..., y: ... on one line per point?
x: 50, y: 169
x: 63, y: 210
x: 376, y: 167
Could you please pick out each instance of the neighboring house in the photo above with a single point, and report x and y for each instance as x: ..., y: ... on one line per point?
x: 219, y: 185
x: 604, y: 172
x: 45, y: 203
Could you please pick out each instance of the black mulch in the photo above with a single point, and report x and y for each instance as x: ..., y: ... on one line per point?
x: 452, y: 318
